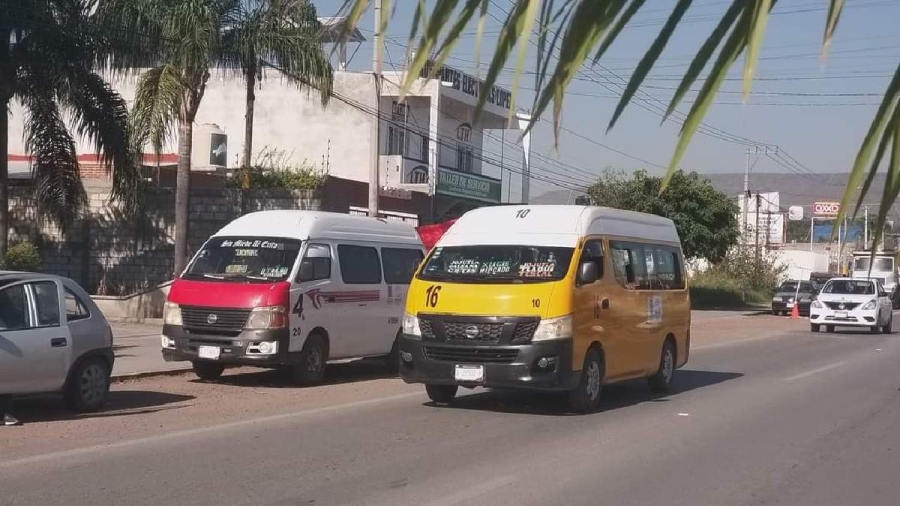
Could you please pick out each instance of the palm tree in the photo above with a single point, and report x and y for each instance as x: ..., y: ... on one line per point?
x: 191, y: 37
x: 49, y: 50
x: 567, y: 33
x: 281, y: 33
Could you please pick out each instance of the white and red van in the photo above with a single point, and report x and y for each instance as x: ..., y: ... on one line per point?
x: 294, y: 289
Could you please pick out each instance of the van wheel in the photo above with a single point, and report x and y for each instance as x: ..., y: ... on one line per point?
x: 393, y: 359
x: 311, y: 368
x: 441, y: 394
x: 661, y: 382
x: 88, y: 387
x: 586, y: 397
x: 208, y: 371
x: 813, y: 327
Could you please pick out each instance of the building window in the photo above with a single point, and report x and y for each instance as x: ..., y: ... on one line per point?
x: 464, y: 158
x: 396, y: 141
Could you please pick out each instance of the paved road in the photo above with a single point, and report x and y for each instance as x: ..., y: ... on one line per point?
x: 765, y: 413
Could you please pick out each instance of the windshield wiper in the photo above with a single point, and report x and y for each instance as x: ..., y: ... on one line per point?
x: 213, y: 276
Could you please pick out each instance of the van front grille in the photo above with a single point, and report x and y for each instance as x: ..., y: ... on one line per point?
x: 478, y: 329
x: 214, y: 321
x: 473, y: 355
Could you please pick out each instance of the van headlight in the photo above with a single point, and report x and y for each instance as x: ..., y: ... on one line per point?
x: 411, y: 327
x: 265, y: 318
x: 554, y: 328
x: 868, y: 306
x: 816, y: 304
x: 172, y: 314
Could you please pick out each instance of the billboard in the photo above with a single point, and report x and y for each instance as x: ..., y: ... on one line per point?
x: 826, y: 208
x: 771, y: 227
x: 795, y: 213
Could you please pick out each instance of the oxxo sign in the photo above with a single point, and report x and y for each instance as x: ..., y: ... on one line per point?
x: 826, y: 208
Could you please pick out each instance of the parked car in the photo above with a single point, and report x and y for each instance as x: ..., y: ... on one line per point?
x: 789, y: 293
x: 292, y: 290
x: 53, y: 338
x: 849, y: 302
x: 820, y: 278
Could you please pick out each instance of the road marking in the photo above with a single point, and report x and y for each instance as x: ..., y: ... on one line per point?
x: 737, y: 341
x: 473, y: 492
x: 684, y: 414
x: 814, y: 371
x: 79, y: 452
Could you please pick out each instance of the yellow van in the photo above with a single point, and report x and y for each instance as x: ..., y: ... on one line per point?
x: 550, y: 298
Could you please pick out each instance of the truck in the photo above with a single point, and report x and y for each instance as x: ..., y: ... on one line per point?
x: 882, y: 264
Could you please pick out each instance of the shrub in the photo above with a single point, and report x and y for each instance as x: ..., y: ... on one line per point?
x: 23, y: 256
x: 273, y: 169
x: 739, y: 280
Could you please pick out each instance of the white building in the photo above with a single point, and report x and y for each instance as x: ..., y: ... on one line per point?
x: 432, y: 161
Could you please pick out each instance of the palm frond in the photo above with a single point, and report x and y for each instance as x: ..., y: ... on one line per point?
x: 157, y: 104
x: 58, y: 187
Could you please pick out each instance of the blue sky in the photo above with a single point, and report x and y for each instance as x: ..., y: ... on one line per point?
x: 816, y: 114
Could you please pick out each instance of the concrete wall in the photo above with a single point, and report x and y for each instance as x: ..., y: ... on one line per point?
x: 110, y: 253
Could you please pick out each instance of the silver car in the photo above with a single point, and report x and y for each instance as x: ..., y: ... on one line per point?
x: 53, y: 338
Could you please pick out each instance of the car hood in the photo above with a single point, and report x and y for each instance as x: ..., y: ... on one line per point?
x: 838, y: 297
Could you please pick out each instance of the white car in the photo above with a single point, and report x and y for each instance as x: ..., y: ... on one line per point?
x: 848, y: 302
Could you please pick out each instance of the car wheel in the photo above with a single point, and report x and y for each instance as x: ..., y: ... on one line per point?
x: 586, y: 397
x: 775, y: 312
x: 813, y: 327
x: 311, y: 368
x: 661, y: 382
x: 441, y: 394
x: 829, y: 329
x: 888, y: 328
x: 208, y: 371
x: 88, y: 387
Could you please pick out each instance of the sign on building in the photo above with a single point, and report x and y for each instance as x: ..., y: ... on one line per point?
x: 826, y: 208
x: 470, y: 85
x: 795, y: 213
x: 468, y: 186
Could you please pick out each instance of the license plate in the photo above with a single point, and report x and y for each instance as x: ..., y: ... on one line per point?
x: 840, y: 314
x: 469, y: 373
x: 209, y: 352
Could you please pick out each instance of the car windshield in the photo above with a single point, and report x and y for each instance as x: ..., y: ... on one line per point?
x: 849, y: 287
x: 246, y: 259
x: 493, y: 264
x: 881, y: 264
x: 791, y: 286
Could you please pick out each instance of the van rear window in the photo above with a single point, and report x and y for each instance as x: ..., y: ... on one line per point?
x: 497, y: 263
x: 246, y: 259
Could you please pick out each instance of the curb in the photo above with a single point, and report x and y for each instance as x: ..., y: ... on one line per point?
x: 120, y: 378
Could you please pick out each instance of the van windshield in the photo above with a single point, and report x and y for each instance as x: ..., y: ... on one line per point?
x: 246, y: 259
x: 881, y: 264
x: 492, y: 264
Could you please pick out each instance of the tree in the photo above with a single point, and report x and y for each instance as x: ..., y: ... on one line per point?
x: 706, y: 219
x: 276, y: 32
x: 188, y: 38
x: 568, y: 33
x: 49, y: 51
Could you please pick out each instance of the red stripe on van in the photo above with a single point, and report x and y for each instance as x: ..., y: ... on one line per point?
x: 229, y: 295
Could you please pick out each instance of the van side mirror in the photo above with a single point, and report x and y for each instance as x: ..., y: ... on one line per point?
x: 588, y: 272
x: 306, y: 271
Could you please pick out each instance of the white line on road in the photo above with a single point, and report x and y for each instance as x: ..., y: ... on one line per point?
x: 814, y: 371
x: 78, y: 452
x: 470, y: 493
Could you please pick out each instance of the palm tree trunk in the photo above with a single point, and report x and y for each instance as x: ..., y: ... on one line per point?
x: 183, y: 193
x: 4, y: 178
x: 250, y: 80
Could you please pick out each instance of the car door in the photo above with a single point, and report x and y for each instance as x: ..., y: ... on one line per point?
x: 356, y: 302
x: 35, y: 346
x: 310, y: 295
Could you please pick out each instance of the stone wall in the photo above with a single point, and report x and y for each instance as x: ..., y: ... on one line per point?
x: 110, y: 253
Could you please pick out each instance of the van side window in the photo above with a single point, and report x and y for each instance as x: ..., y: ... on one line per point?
x: 630, y: 266
x: 316, y: 263
x: 652, y: 279
x: 360, y: 265
x: 400, y: 264
x: 668, y: 268
x: 75, y: 308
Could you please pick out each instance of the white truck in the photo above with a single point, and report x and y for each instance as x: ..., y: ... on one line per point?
x: 881, y: 266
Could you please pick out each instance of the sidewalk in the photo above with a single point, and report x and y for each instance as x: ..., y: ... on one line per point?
x: 137, y: 345
x: 137, y: 350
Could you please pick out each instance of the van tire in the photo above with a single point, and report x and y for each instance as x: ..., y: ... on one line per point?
x: 586, y: 396
x: 208, y: 371
x: 441, y: 394
x: 661, y: 382
x: 88, y: 387
x: 392, y: 360
x: 310, y: 370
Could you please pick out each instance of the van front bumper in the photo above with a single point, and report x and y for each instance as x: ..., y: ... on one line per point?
x: 434, y: 363
x: 232, y: 350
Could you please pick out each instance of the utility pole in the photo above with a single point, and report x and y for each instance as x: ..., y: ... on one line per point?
x: 757, y: 228
x: 866, y: 229
x: 375, y: 165
x: 746, y: 199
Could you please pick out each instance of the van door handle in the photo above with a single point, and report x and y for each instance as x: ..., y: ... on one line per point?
x: 58, y: 342
x: 604, y: 304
